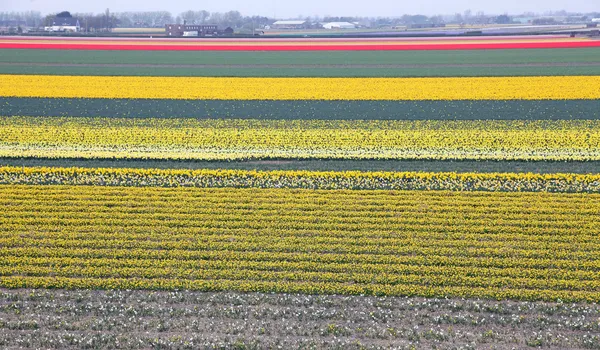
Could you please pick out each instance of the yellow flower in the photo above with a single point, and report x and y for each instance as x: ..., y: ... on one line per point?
x: 476, y: 88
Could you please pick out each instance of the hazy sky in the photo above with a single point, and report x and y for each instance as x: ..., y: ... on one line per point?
x: 290, y: 9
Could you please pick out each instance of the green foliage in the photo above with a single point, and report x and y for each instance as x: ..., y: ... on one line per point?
x: 278, y: 71
x: 309, y: 109
x: 303, y: 58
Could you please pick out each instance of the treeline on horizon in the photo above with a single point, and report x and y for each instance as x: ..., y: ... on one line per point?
x: 235, y: 19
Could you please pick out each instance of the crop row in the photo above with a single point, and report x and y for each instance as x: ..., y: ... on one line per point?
x: 279, y: 240
x: 223, y: 139
x: 351, y: 180
x: 224, y: 88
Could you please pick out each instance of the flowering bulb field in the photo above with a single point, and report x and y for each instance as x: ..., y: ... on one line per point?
x: 300, y: 193
x: 222, y: 139
x: 360, y: 44
x: 496, y: 245
x: 328, y: 180
x: 488, y: 88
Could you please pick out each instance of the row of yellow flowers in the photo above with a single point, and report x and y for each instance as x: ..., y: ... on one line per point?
x: 433, y: 243
x: 299, y: 287
x: 472, y: 88
x: 325, y: 180
x: 158, y: 257
x: 155, y: 138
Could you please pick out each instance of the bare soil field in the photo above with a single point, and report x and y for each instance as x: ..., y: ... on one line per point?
x: 226, y: 320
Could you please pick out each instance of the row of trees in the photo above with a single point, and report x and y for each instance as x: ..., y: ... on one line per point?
x: 108, y: 20
x: 232, y: 19
x: 29, y: 18
x: 467, y: 17
x: 88, y: 21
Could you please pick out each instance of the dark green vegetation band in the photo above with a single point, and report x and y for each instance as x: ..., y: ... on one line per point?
x: 425, y: 71
x: 323, y: 165
x: 305, y: 58
x: 318, y: 109
x: 532, y: 62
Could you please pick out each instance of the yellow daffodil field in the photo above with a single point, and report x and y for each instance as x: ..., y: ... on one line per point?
x: 210, y: 139
x: 463, y: 88
x: 305, y: 180
x: 302, y: 241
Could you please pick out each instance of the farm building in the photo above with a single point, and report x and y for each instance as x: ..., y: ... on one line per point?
x: 190, y: 30
x: 64, y: 24
x: 339, y: 25
x: 289, y: 25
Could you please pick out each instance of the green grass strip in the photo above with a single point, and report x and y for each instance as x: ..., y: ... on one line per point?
x: 542, y: 167
x: 304, y: 58
x: 304, y: 72
x: 317, y: 109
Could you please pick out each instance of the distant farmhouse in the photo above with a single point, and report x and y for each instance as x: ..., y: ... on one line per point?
x: 64, y: 24
x: 339, y: 25
x: 290, y: 25
x: 190, y: 30
x: 195, y: 30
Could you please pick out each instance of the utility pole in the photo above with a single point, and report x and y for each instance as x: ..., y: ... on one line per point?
x: 107, y: 19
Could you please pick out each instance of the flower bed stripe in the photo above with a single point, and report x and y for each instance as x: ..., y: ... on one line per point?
x: 528, y: 246
x: 316, y: 180
x: 361, y: 47
x: 225, y: 88
x: 236, y: 139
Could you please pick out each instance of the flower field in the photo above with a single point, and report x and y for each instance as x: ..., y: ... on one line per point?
x: 495, y: 245
x: 210, y: 139
x: 214, y: 177
x: 485, y: 88
x: 362, y: 44
x: 325, y: 180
